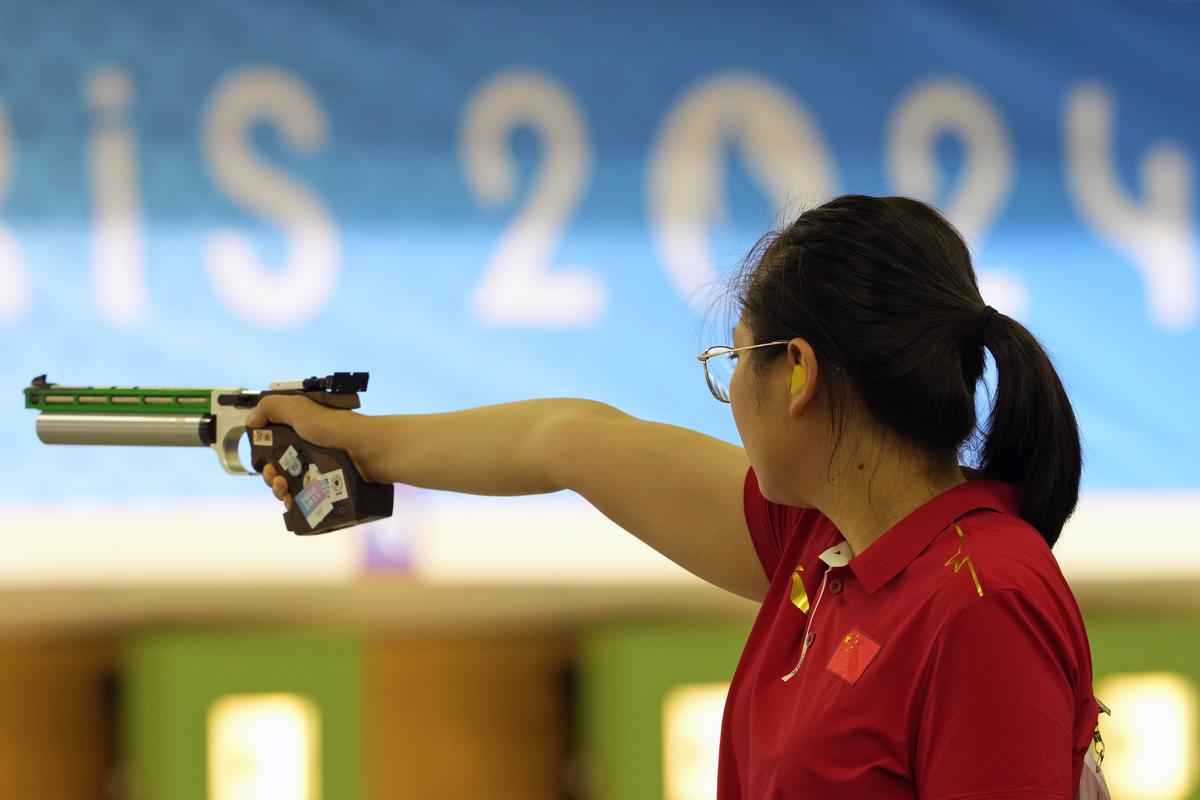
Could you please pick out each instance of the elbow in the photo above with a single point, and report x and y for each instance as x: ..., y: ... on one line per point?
x: 559, y: 444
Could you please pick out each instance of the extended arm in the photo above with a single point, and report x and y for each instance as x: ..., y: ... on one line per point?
x: 678, y: 490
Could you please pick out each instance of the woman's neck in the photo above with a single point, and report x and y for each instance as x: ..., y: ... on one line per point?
x: 868, y: 499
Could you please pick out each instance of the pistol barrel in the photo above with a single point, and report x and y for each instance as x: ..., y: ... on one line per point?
x: 126, y: 429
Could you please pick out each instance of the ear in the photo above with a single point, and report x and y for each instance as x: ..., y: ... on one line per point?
x: 803, y: 375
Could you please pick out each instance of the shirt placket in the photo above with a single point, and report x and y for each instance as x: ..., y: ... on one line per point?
x: 836, y: 556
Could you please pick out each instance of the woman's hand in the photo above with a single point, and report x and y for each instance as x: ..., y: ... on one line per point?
x: 313, y: 422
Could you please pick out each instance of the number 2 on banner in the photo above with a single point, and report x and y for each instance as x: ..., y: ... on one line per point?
x: 950, y: 106
x: 519, y: 287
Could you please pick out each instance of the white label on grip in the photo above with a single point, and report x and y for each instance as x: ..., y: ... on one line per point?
x: 314, y: 502
x: 290, y: 462
x: 337, y: 485
x: 312, y: 474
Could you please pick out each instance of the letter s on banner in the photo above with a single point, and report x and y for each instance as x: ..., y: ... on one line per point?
x: 783, y: 149
x: 293, y: 294
x: 15, y: 293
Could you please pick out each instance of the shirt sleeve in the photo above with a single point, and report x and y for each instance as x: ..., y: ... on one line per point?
x: 773, y: 526
x: 999, y: 705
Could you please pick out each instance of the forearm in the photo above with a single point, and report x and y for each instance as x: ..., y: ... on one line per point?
x: 493, y: 450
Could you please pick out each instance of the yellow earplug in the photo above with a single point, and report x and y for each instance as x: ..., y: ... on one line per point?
x: 797, y: 378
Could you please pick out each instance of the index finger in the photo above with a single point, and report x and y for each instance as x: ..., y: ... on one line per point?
x: 261, y: 413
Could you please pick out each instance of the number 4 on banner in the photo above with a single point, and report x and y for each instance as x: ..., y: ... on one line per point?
x: 1156, y: 234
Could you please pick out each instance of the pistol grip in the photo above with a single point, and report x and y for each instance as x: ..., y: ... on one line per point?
x: 328, y: 490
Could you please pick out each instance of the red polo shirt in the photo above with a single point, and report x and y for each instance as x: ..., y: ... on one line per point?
x: 947, y: 660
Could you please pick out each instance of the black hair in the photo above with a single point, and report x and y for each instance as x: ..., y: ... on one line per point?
x: 883, y: 290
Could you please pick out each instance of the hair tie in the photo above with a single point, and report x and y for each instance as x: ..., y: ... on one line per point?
x: 981, y: 330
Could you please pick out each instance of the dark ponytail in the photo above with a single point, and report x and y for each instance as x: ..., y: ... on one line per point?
x: 883, y: 290
x: 1033, y: 438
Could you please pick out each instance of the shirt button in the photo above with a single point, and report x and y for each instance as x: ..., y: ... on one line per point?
x: 809, y: 639
x: 835, y: 585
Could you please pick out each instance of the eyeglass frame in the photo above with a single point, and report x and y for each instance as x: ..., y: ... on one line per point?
x: 724, y: 350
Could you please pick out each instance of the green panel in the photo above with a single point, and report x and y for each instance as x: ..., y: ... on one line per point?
x: 117, y: 400
x: 171, y: 678
x: 1142, y: 644
x: 626, y: 671
x: 1169, y: 643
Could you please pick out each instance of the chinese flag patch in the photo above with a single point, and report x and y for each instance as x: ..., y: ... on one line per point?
x: 853, y: 654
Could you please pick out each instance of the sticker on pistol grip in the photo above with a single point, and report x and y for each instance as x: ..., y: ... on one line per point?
x: 312, y: 474
x: 264, y: 437
x: 337, y: 485
x: 314, y: 502
x: 290, y: 462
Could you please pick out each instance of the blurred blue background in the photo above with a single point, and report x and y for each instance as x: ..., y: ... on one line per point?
x: 481, y: 203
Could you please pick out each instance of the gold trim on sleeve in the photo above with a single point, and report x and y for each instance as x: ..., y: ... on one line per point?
x: 958, y: 562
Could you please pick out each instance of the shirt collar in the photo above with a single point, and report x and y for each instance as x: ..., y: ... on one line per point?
x: 900, y: 544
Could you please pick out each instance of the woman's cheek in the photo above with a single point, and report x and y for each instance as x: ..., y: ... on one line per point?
x: 735, y: 404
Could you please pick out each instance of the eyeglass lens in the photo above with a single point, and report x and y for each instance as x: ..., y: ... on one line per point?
x: 720, y: 373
